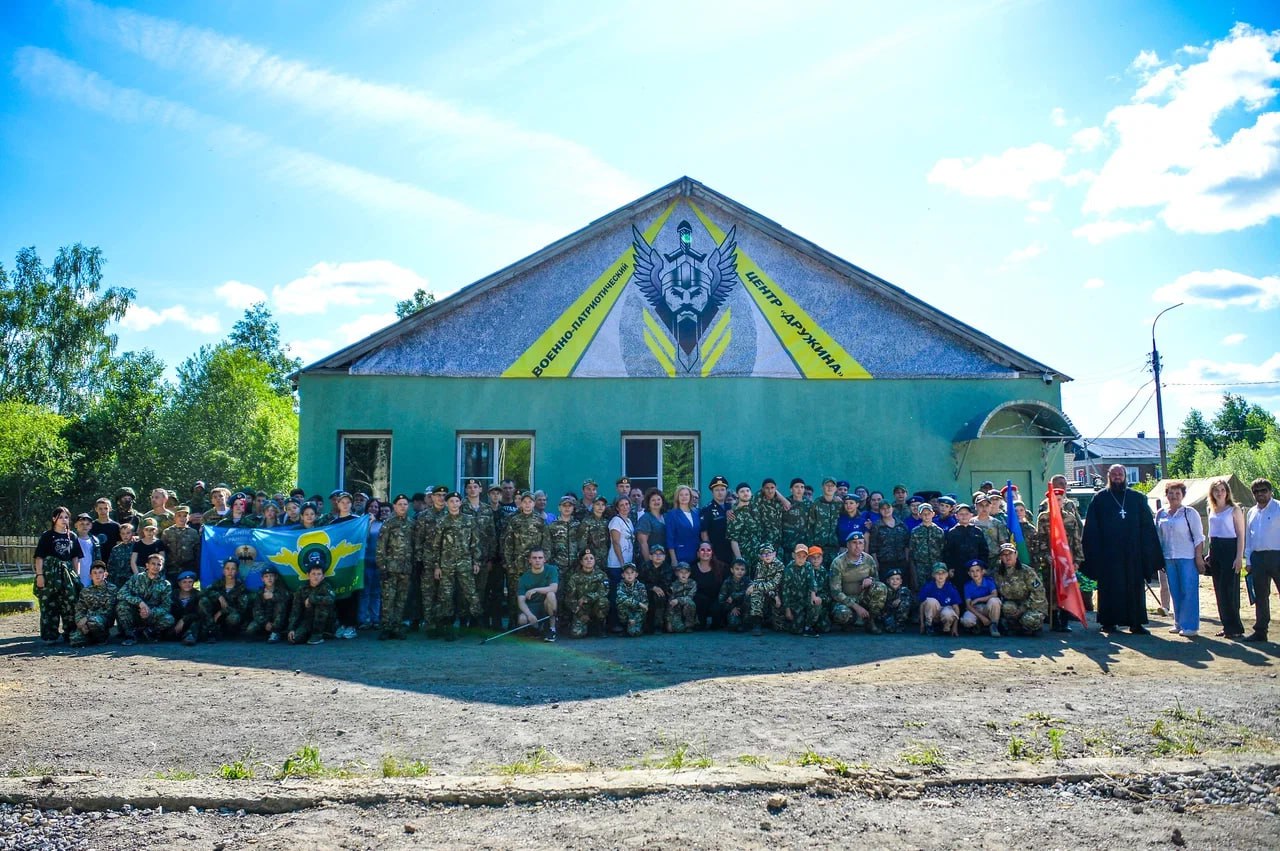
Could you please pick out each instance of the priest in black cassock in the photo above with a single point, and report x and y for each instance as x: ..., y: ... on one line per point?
x: 1122, y: 551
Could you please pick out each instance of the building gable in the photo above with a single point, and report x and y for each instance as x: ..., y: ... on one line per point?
x: 682, y: 283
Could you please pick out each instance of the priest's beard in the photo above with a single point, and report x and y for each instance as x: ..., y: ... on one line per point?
x: 1118, y: 489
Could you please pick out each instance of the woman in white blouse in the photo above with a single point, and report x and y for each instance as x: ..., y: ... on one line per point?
x: 1226, y: 556
x: 1181, y: 537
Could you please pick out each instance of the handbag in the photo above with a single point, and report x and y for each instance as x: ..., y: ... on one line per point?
x: 1200, y: 566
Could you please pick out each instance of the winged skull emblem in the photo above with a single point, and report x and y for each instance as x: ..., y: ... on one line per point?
x: 686, y: 288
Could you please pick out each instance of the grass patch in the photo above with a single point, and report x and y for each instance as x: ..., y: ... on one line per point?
x: 31, y: 770
x: 13, y: 589
x: 537, y: 761
x: 395, y: 767
x: 828, y: 763
x: 304, y: 762
x: 241, y: 769
x: 1055, y: 737
x: 1020, y: 748
x: 752, y: 760
x: 182, y: 774
x: 922, y: 755
x: 913, y: 725
x: 681, y: 757
x: 1170, y: 741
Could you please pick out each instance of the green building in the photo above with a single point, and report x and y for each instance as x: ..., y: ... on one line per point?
x: 680, y: 337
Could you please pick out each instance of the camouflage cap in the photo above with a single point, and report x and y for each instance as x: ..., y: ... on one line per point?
x: 925, y: 506
x: 766, y: 548
x: 682, y: 565
x: 589, y: 483
x: 827, y: 480
x: 129, y: 492
x: 1011, y: 548
x: 939, y: 567
x: 182, y: 509
x: 148, y: 522
x: 569, y: 498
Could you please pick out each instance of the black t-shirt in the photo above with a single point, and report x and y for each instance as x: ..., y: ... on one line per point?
x: 144, y: 550
x: 110, y: 531
x: 60, y: 545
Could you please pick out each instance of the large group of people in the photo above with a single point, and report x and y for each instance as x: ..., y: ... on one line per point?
x: 808, y: 561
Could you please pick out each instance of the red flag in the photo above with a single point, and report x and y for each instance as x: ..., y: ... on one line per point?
x: 1066, y: 587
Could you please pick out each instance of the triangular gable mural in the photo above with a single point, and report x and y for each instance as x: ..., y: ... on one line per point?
x: 683, y: 290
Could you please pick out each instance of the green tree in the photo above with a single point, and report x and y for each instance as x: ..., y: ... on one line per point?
x: 114, y: 442
x: 258, y: 333
x: 229, y: 422
x: 54, y: 344
x: 420, y: 299
x: 1238, y: 420
x: 35, y: 466
x: 1194, y: 429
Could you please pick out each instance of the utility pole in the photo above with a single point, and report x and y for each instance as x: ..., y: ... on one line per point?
x: 1155, y: 368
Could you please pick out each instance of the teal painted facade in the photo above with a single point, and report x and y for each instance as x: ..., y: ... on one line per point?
x: 876, y: 432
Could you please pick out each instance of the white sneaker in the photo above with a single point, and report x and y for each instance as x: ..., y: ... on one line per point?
x: 347, y: 632
x: 1190, y: 633
x: 273, y: 638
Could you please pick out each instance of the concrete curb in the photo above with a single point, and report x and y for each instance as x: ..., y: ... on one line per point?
x: 90, y: 794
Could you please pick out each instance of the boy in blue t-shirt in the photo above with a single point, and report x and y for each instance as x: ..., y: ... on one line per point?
x: 981, y: 599
x: 939, y: 604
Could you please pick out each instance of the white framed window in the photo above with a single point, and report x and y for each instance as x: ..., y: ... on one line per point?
x: 364, y: 463
x: 1132, y: 474
x: 663, y: 461
x: 493, y: 457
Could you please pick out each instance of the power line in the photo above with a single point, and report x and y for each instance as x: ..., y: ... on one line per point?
x: 1125, y: 430
x: 1126, y: 406
x: 1219, y: 384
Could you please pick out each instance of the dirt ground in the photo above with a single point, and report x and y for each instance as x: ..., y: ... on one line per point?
x: 928, y: 705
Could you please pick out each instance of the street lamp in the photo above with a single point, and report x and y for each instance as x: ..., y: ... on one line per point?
x: 1155, y: 366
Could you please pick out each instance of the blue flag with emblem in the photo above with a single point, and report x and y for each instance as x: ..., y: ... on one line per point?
x: 339, y: 548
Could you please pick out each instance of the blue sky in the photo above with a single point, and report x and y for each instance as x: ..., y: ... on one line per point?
x: 1053, y: 174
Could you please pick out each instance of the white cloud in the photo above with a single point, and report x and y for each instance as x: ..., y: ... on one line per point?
x: 1088, y: 138
x: 1168, y: 155
x: 1035, y: 249
x: 1094, y: 284
x: 1222, y: 288
x: 1145, y: 61
x: 142, y: 318
x: 1012, y: 174
x: 462, y: 133
x: 1099, y: 232
x: 311, y: 350
x: 1042, y: 206
x: 363, y: 326
x: 47, y: 73
x: 239, y: 295
x: 1233, y: 339
x: 1058, y: 117
x: 345, y: 284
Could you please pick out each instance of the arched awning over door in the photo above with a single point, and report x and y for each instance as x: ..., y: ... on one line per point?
x: 1023, y: 419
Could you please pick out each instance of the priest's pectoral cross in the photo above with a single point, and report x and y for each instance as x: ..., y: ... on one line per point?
x: 1122, y: 514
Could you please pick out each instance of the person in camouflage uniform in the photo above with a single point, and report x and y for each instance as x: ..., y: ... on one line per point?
x: 901, y: 508
x: 120, y: 562
x: 57, y: 577
x: 457, y: 553
x: 163, y: 516
x: 188, y: 614
x: 395, y: 567
x: 927, y: 541
x: 226, y: 603
x: 95, y: 609
x: 144, y: 602
x: 821, y: 573
x: 996, y: 530
x: 424, y: 557
x: 682, y: 610
x: 770, y: 506
x: 856, y: 591
x: 743, y: 528
x: 182, y: 543
x: 734, y: 608
x: 487, y: 533
x: 218, y: 496
x: 632, y: 603
x: 312, y: 616
x: 562, y: 536
x: 1023, y: 603
x: 889, y: 542
x: 593, y: 530
x: 656, y: 576
x: 824, y: 514
x: 588, y: 597
x: 897, y: 605
x: 125, y: 512
x: 270, y: 611
x: 762, y: 594
x: 796, y: 518
x: 525, y: 530
x: 798, y: 590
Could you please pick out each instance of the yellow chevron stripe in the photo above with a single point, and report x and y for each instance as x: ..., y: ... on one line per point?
x: 716, y: 330
x: 709, y: 362
x: 659, y: 353
x: 659, y: 334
